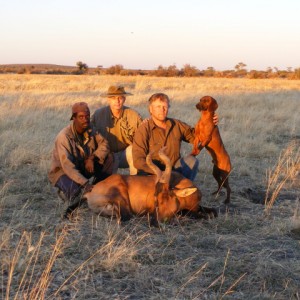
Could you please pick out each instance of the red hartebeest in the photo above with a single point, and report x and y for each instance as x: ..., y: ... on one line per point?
x: 161, y: 195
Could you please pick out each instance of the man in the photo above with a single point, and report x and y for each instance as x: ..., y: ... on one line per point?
x: 117, y: 124
x: 79, y: 153
x: 162, y: 131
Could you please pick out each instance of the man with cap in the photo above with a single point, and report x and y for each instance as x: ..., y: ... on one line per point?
x: 79, y: 154
x: 117, y: 124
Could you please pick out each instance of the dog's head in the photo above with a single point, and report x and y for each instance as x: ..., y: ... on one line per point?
x: 207, y: 103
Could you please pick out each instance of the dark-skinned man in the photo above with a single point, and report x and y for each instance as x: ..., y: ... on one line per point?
x: 79, y: 153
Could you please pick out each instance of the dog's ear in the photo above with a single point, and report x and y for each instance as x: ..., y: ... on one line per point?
x: 214, y: 104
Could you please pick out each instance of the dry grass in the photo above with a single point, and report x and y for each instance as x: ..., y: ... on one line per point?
x: 286, y: 170
x: 243, y: 254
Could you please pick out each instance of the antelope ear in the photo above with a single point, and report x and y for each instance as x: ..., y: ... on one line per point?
x: 185, y: 192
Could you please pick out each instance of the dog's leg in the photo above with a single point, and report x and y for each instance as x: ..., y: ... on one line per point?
x: 225, y: 176
x: 196, y: 149
x: 222, y: 179
x: 217, y: 175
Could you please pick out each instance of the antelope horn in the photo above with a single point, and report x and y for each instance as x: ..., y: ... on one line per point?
x: 165, y: 178
x: 153, y: 167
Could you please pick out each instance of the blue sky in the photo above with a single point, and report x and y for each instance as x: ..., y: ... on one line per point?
x: 144, y: 34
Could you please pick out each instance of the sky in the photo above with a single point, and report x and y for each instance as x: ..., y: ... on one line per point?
x: 142, y: 34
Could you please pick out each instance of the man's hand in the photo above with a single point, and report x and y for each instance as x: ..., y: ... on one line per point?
x: 87, y: 188
x: 89, y: 164
x: 215, y: 119
x: 145, y: 120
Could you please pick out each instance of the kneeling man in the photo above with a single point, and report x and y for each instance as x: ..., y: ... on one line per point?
x: 79, y: 153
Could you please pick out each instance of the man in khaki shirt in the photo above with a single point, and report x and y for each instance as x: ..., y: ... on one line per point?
x: 117, y: 124
x: 162, y: 131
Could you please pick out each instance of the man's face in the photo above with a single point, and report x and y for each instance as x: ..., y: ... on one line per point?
x: 116, y: 102
x: 82, y: 121
x: 159, y: 110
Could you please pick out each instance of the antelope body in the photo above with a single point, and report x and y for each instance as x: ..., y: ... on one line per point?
x: 161, y: 195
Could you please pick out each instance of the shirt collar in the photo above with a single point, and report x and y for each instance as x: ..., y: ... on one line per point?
x: 117, y: 118
x: 86, y: 136
x: 169, y: 123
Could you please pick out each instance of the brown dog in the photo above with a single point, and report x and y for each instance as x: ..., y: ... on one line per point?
x: 207, y: 135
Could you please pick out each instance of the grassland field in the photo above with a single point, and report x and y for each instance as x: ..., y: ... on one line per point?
x: 251, y: 251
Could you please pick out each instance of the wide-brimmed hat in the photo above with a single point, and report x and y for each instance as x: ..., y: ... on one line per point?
x: 115, y: 91
x: 79, y: 107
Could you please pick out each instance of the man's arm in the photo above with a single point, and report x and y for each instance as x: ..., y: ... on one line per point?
x: 188, y: 133
x: 140, y: 149
x: 102, y: 149
x: 66, y: 160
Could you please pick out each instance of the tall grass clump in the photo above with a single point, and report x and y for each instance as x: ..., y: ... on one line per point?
x: 25, y: 279
x: 286, y: 170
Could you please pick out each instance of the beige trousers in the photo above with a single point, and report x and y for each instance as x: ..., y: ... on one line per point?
x: 124, y: 160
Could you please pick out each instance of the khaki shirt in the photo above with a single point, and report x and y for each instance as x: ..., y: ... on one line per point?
x: 150, y: 138
x: 68, y: 155
x: 118, y: 132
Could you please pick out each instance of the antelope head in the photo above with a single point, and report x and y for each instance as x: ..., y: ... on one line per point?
x: 166, y: 199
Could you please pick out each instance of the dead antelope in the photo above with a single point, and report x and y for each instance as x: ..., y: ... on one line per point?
x: 161, y: 195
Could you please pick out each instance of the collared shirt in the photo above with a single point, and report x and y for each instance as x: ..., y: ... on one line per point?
x: 70, y: 151
x: 81, y: 140
x: 118, y: 132
x: 151, y: 138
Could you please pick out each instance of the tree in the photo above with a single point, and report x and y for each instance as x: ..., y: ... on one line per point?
x: 98, y: 69
x: 189, y: 71
x: 209, y: 72
x: 240, y: 69
x: 160, y: 71
x: 240, y: 66
x: 82, y: 67
x: 172, y: 71
x: 297, y: 73
x: 116, y: 69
